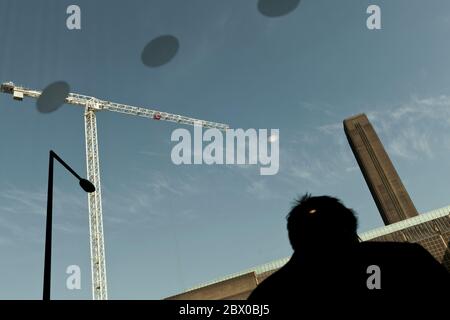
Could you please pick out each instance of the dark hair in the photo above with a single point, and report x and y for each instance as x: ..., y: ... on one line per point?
x: 315, y: 220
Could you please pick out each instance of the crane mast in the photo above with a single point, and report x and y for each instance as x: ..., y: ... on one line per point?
x: 97, y: 243
x: 91, y: 106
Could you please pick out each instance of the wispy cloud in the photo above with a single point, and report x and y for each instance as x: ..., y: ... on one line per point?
x: 417, y: 129
x: 331, y: 128
x: 22, y: 212
x: 414, y: 130
x: 316, y: 156
x: 146, y: 200
x: 18, y: 201
x: 322, y: 157
x: 410, y: 144
x: 261, y: 189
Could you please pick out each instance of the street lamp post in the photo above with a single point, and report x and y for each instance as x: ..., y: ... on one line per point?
x: 87, y: 186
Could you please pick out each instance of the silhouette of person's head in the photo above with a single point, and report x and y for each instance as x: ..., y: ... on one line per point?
x: 318, y: 222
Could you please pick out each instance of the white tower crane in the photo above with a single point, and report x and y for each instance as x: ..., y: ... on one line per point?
x: 91, y: 106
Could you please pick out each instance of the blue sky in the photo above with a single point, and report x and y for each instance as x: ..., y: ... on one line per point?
x: 168, y: 228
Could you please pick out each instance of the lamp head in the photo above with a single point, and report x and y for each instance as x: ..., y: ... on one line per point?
x: 87, y: 185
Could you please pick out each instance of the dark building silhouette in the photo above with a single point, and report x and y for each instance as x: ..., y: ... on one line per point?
x: 430, y: 229
x: 403, y: 224
x: 384, y: 183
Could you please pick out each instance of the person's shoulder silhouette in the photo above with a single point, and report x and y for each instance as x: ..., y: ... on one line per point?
x: 329, y: 260
x: 404, y: 267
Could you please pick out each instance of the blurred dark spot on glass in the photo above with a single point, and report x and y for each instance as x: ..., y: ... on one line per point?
x: 277, y: 8
x: 53, y: 97
x: 160, y: 51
